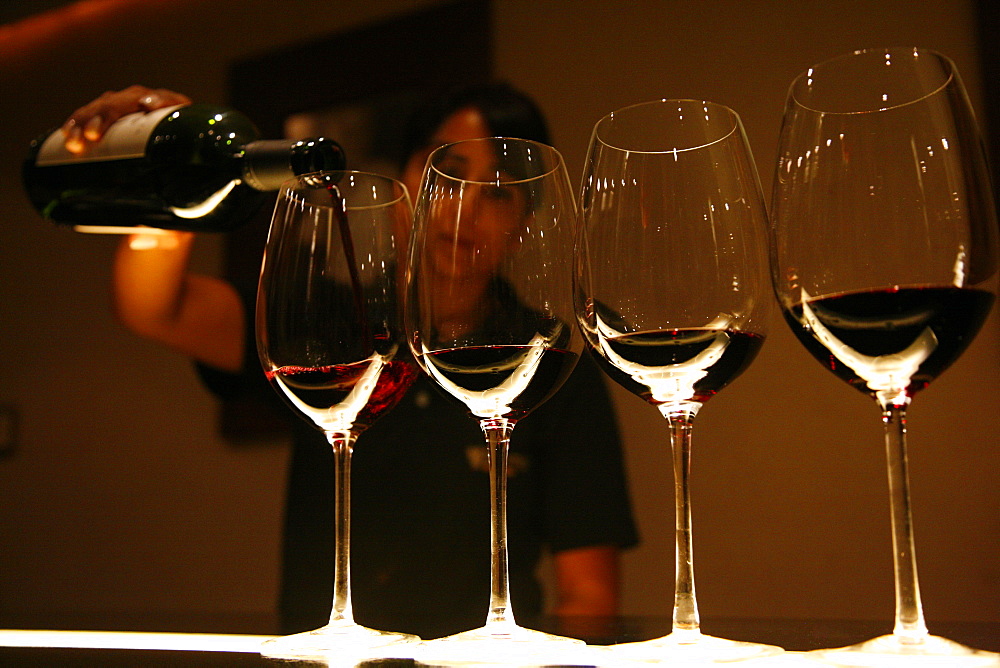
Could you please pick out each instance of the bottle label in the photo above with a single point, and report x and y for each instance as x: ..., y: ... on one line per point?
x: 126, y: 138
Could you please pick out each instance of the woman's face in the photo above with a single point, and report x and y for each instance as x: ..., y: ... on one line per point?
x: 464, y: 124
x: 469, y: 232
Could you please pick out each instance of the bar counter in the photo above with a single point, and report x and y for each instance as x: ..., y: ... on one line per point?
x: 233, y: 648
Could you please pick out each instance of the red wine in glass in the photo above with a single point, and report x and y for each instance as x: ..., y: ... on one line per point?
x: 478, y: 371
x: 333, y: 348
x: 900, y: 338
x: 340, y: 213
x: 679, y: 364
x: 314, y: 391
x: 884, y: 259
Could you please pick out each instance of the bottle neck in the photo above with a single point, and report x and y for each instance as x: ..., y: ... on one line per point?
x: 267, y: 164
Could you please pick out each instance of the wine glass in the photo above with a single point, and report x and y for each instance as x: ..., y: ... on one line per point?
x: 672, y: 294
x: 490, y: 316
x: 331, y: 341
x: 884, y: 260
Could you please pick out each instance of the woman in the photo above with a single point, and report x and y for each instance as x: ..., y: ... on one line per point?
x: 420, y: 507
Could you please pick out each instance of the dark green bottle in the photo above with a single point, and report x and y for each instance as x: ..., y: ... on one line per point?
x: 197, y: 167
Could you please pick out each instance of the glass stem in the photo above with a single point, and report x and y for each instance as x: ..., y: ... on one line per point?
x: 910, y: 627
x: 343, y: 446
x: 497, y: 431
x: 680, y: 417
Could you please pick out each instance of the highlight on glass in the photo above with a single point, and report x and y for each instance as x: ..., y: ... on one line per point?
x: 884, y: 247
x: 490, y: 319
x: 331, y: 342
x: 672, y: 295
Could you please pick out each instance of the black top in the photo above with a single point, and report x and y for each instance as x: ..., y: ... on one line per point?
x: 420, y: 539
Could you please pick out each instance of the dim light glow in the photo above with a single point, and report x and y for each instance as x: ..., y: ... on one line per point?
x: 112, y: 229
x: 39, y: 32
x: 190, y: 642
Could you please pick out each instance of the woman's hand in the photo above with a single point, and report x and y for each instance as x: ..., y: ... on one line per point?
x: 87, y: 124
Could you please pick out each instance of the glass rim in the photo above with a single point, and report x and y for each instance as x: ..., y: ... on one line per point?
x: 912, y: 51
x: 312, y: 182
x: 705, y: 104
x: 551, y: 150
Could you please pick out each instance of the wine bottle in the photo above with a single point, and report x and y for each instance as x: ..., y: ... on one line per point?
x: 190, y: 167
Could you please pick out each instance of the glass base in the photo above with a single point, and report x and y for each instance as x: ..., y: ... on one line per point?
x: 346, y: 642
x: 692, y: 648
x: 891, y: 650
x: 506, y: 644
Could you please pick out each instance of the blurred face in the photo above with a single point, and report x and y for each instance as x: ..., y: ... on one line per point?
x: 473, y: 225
x: 461, y: 125
x: 471, y: 228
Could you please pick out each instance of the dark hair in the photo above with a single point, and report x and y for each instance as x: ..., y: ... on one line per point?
x: 507, y: 111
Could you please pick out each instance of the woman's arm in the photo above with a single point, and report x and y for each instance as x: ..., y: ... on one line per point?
x: 587, y: 581
x: 156, y: 297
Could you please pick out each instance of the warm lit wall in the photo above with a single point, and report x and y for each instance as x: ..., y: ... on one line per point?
x: 120, y: 497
